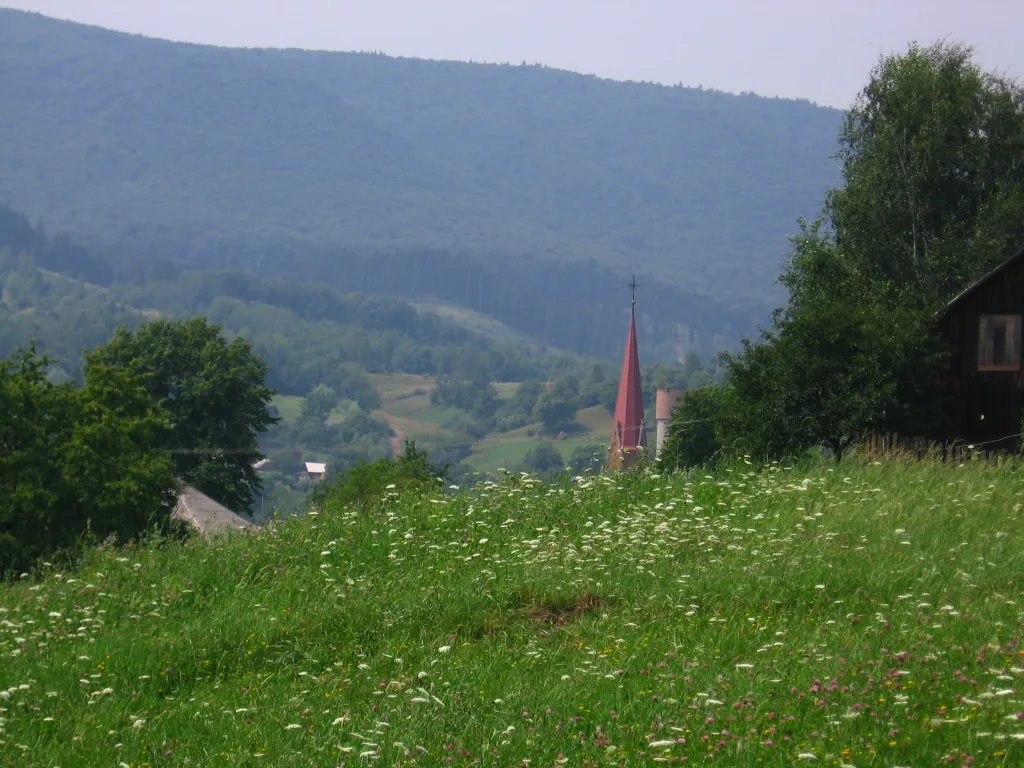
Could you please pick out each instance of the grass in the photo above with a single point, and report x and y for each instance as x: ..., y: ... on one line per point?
x: 498, y: 451
x: 289, y: 407
x: 852, y: 615
x: 510, y: 448
x: 506, y: 389
x: 393, y: 386
x: 406, y: 407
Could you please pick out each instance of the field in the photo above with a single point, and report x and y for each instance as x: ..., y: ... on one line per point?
x: 509, y: 449
x: 406, y: 407
x: 843, y: 615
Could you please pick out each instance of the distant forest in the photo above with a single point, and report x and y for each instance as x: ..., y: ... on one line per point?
x: 318, y: 344
x: 527, y: 193
x: 304, y: 331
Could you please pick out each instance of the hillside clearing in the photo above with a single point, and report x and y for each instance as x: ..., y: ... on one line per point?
x: 509, y: 449
x: 852, y: 615
x: 406, y: 408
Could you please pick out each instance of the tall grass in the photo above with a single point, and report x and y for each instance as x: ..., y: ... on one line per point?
x: 865, y: 615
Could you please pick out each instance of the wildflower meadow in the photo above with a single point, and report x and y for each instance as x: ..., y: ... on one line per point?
x: 841, y: 615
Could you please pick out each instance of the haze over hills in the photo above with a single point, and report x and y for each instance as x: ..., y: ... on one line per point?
x: 452, y: 180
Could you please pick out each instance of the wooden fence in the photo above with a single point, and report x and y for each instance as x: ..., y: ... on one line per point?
x: 878, y: 444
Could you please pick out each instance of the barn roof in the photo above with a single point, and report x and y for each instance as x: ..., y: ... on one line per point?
x: 206, y: 515
x: 981, y: 281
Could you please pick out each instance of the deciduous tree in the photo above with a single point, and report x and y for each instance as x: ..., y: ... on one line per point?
x: 215, y: 394
x: 933, y: 196
x: 77, y: 462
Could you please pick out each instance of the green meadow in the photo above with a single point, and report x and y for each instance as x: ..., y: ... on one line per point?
x: 840, y: 615
x: 406, y: 408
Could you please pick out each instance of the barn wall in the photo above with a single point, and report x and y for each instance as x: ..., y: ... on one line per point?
x: 985, y: 406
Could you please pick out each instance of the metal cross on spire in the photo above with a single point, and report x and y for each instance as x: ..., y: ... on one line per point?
x: 633, y: 285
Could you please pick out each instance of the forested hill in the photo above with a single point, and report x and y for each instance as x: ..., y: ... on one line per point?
x: 245, y: 157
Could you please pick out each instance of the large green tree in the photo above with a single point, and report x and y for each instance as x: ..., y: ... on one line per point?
x: 932, y: 158
x: 215, y: 394
x: 77, y: 461
x: 319, y: 403
x: 557, y: 404
x: 932, y: 197
x: 544, y: 461
x: 699, y: 429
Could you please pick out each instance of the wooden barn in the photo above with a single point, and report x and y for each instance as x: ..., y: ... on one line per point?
x: 983, y: 328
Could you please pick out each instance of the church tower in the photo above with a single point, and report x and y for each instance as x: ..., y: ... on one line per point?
x: 629, y: 435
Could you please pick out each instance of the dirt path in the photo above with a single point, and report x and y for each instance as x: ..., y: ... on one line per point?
x: 398, y: 441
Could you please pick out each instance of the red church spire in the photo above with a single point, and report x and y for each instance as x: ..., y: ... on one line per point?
x: 628, y: 432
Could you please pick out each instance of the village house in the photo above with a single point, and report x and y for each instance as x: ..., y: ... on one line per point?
x: 315, y: 471
x: 206, y: 516
x: 982, y: 326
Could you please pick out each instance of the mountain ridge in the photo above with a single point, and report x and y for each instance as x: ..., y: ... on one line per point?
x: 403, y: 57
x: 253, y: 158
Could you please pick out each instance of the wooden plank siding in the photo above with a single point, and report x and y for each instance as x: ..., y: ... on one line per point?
x: 984, y: 406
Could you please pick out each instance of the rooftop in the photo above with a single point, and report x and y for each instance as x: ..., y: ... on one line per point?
x: 206, y: 515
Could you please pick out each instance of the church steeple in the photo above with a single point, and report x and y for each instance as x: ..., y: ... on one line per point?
x: 629, y: 435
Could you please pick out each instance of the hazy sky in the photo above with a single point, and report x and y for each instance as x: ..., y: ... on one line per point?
x: 816, y: 49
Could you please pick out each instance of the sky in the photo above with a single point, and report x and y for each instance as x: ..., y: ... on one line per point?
x: 822, y: 50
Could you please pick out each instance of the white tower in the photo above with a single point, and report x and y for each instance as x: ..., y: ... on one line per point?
x: 665, y: 401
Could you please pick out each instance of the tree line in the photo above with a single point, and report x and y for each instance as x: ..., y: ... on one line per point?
x: 304, y: 332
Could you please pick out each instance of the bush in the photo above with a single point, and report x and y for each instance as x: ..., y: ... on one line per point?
x: 364, y: 484
x: 698, y: 432
x: 544, y: 461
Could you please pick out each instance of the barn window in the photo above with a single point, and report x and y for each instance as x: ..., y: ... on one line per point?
x: 999, y: 343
